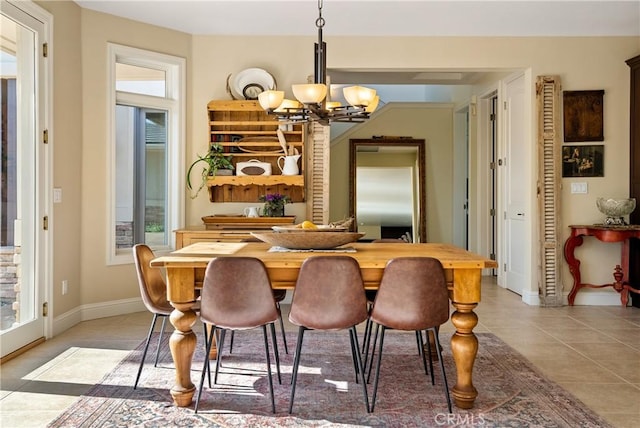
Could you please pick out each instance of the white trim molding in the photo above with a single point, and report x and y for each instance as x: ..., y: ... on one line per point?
x: 96, y: 310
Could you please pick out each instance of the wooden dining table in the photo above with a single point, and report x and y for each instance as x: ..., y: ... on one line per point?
x: 185, y: 271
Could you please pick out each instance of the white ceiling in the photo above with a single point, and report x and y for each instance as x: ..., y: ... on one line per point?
x: 384, y: 17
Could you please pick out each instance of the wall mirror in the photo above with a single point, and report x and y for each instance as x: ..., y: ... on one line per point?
x: 386, y: 188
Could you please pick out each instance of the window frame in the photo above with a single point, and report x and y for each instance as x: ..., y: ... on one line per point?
x: 174, y: 103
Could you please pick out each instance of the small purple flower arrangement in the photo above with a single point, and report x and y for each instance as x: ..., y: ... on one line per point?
x: 274, y: 204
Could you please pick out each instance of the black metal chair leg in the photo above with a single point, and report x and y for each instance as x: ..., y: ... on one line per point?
x: 164, y: 321
x: 422, y: 354
x: 266, y: 351
x: 366, y: 343
x: 296, y: 363
x: 233, y: 333
x: 375, y: 382
x: 444, y: 374
x: 205, y: 364
x: 418, y: 341
x: 373, y: 352
x: 284, y: 335
x: 276, y: 353
x: 354, y: 339
x: 220, y: 345
x: 367, y: 333
x: 433, y: 381
x: 146, y: 347
x: 353, y: 356
x: 207, y: 349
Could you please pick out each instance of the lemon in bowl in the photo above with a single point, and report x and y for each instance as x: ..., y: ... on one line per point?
x: 308, y: 225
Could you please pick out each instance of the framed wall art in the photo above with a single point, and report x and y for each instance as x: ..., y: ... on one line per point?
x: 583, y: 116
x: 583, y: 161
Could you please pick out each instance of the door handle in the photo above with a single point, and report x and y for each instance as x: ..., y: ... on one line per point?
x: 520, y: 214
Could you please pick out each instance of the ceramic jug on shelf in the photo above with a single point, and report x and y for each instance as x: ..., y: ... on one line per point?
x: 251, y: 212
x: 289, y: 164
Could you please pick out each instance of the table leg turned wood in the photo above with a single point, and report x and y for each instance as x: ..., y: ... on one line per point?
x: 464, y: 347
x: 183, y: 345
x: 465, y: 295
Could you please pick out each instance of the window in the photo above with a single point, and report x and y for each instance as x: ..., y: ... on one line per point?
x: 147, y: 136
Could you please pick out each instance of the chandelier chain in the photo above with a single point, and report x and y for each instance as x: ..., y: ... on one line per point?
x: 320, y: 20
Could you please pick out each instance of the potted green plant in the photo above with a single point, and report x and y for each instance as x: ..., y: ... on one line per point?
x: 214, y: 162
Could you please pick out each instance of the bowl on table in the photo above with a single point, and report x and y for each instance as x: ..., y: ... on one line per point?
x: 308, y: 239
x: 318, y: 228
x: 616, y: 209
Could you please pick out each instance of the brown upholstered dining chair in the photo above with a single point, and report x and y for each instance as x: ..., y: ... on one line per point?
x: 314, y: 306
x: 371, y: 296
x: 279, y: 296
x: 236, y: 295
x: 153, y: 290
x: 412, y: 296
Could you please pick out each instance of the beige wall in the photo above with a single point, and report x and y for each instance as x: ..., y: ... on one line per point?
x: 100, y: 282
x: 80, y: 50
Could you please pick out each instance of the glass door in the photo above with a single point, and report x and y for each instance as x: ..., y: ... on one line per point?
x: 22, y: 169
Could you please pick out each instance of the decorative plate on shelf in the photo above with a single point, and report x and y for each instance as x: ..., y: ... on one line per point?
x: 249, y: 83
x: 312, y: 240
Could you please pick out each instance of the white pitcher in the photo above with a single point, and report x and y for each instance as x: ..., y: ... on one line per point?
x: 251, y: 212
x: 290, y: 165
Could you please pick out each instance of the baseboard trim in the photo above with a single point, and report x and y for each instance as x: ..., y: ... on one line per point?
x: 94, y: 311
x: 531, y: 298
x: 586, y: 297
x: 20, y: 351
x: 593, y: 297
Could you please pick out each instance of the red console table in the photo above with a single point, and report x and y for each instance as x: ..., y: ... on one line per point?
x: 604, y: 234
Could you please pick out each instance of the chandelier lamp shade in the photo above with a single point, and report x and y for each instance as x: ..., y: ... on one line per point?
x: 312, y: 102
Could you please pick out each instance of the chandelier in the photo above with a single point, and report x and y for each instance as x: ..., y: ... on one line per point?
x: 312, y: 100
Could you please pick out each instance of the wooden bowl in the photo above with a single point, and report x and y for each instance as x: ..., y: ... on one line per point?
x: 319, y: 228
x: 308, y: 240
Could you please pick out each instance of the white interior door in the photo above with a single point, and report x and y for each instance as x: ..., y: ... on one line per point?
x: 24, y: 170
x: 516, y: 249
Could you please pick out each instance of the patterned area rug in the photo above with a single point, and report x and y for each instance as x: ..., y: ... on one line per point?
x: 512, y: 393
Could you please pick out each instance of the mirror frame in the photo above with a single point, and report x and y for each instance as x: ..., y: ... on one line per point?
x: 395, y: 142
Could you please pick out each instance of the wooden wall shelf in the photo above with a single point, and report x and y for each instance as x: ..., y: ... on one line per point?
x: 246, y: 131
x: 260, y: 180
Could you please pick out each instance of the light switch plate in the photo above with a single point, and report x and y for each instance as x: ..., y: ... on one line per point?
x: 57, y: 195
x: 579, y: 188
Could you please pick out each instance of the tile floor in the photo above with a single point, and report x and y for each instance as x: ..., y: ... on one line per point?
x: 593, y: 352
